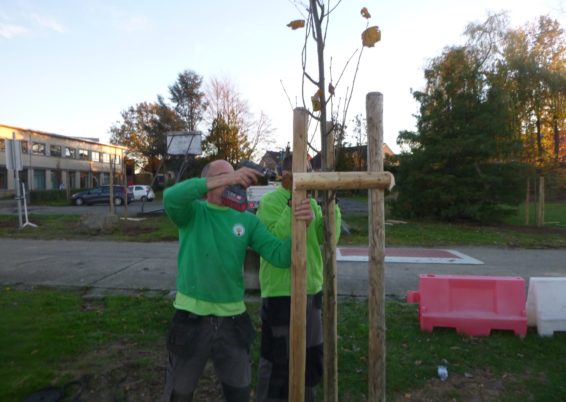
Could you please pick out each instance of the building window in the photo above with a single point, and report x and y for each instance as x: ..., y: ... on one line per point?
x: 39, y: 179
x: 38, y: 148
x: 95, y: 156
x: 106, y: 158
x: 70, y: 153
x: 2, y: 144
x: 55, y: 150
x: 24, y: 147
x: 86, y: 180
x: 57, y: 180
x: 72, y: 180
x: 3, y: 178
x: 116, y: 160
x: 83, y: 154
x: 104, y: 179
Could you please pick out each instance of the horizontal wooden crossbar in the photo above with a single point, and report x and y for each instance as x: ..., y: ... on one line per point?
x: 343, y: 180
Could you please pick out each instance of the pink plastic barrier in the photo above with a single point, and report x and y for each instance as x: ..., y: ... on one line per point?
x: 474, y: 305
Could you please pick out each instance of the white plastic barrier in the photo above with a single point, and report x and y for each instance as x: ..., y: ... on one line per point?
x: 546, y: 304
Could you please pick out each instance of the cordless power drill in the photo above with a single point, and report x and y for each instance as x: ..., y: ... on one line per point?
x: 235, y: 196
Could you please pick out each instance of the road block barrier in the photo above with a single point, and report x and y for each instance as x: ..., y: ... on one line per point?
x: 473, y: 305
x: 546, y: 304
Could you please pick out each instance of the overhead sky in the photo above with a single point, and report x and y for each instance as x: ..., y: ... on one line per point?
x: 70, y: 67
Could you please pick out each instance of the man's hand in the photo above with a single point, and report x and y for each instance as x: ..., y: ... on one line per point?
x: 245, y: 176
x: 303, y: 211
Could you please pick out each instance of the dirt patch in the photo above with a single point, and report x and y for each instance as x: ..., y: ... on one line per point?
x: 477, y: 386
x: 123, y: 372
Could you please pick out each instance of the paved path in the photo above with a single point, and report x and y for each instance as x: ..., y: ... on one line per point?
x: 104, y: 266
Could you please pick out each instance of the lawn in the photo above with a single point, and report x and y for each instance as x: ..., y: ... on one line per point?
x: 115, y: 348
x: 115, y: 345
x: 397, y: 233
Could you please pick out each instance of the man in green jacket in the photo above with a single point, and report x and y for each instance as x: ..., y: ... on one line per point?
x: 275, y: 283
x: 210, y: 318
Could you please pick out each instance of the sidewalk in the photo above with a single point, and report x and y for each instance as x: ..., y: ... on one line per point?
x: 127, y: 267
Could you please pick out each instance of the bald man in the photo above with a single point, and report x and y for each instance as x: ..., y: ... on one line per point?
x: 210, y: 319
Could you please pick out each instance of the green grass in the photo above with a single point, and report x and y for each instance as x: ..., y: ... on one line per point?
x: 42, y: 330
x: 67, y: 227
x: 45, y: 333
x: 428, y: 234
x: 554, y: 215
x: 410, y: 233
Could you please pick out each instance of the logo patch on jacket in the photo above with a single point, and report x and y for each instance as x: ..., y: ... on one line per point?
x: 238, y: 230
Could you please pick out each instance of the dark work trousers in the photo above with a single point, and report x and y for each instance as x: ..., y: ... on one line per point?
x: 193, y: 339
x: 273, y: 368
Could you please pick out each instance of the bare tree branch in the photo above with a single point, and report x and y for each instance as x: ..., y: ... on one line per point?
x: 296, y: 5
x: 349, y: 97
x: 345, y: 66
x: 333, y: 8
x: 286, y: 94
x: 311, y: 79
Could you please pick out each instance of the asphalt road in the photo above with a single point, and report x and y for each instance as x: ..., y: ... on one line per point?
x: 128, y: 266
x: 105, y: 266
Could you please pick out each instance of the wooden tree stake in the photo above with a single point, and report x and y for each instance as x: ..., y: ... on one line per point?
x: 376, y: 223
x: 297, y: 342
x: 377, y: 181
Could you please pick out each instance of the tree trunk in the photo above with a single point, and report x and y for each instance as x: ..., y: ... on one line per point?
x: 540, y: 209
x: 527, y: 201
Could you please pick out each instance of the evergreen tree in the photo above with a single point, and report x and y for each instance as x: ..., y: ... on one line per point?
x: 458, y: 167
x: 188, y: 98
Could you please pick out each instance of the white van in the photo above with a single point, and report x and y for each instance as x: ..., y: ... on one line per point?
x: 142, y: 192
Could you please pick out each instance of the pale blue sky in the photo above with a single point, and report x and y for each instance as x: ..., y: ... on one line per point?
x: 70, y: 67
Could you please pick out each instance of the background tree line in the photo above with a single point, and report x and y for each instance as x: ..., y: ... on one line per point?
x: 230, y: 130
x: 492, y: 118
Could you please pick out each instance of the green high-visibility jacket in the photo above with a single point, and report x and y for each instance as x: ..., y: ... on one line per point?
x: 275, y: 212
x: 212, y: 244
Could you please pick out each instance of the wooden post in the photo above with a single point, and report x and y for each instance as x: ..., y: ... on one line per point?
x: 343, y: 180
x: 527, y: 202
x: 540, y: 209
x: 297, y: 341
x: 330, y: 324
x: 376, y: 223
x: 377, y: 180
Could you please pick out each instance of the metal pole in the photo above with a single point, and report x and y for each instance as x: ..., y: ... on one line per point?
x: 17, y: 181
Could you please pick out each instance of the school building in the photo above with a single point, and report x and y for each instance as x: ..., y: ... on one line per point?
x: 52, y: 161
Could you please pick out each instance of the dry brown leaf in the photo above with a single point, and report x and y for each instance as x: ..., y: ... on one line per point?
x: 331, y: 89
x: 296, y: 24
x: 365, y: 13
x: 315, y: 100
x: 371, y: 36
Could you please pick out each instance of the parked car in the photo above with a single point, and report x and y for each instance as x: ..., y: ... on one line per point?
x: 101, y: 194
x: 142, y: 192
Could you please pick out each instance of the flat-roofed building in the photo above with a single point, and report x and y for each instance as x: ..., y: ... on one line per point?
x: 53, y: 161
